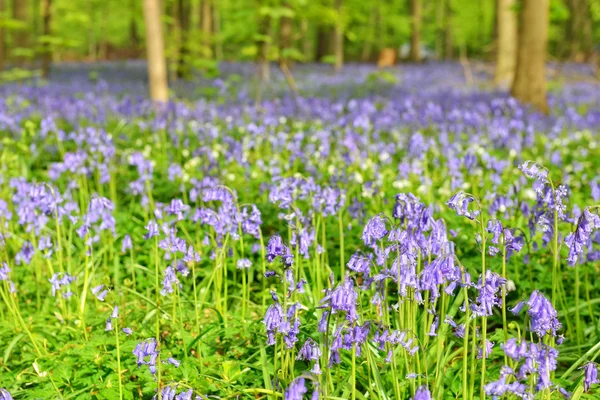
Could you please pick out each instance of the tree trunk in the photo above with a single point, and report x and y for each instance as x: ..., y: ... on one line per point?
x: 264, y: 30
x: 323, y: 42
x: 338, y: 38
x: 415, y: 32
x: 103, y: 31
x: 285, y: 36
x: 529, y: 85
x: 183, y: 15
x: 217, y: 30
x: 448, y: 43
x: 47, y: 53
x: 506, y: 52
x: 91, y: 34
x: 439, y: 32
x: 206, y: 25
x: 367, y: 49
x: 157, y: 66
x: 22, y: 36
x: 134, y: 37
x: 306, y: 45
x: 2, y: 43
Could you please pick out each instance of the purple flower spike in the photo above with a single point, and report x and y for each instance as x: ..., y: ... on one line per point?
x: 422, y: 393
x: 296, y: 390
x: 590, y: 375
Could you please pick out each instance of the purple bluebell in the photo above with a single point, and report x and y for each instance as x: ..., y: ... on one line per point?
x: 243, y: 263
x: 590, y: 376
x: 578, y: 239
x: 4, y: 395
x: 296, y: 390
x: 146, y: 353
x: 422, y: 393
x: 374, y: 230
x: 459, y: 202
x: 543, y: 316
x: 126, y: 244
x: 127, y: 331
x: 25, y: 255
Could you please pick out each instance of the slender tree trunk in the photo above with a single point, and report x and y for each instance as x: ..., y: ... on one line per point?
x: 47, y: 53
x: 323, y: 42
x: 529, y: 85
x: 206, y: 25
x: 306, y: 47
x: 415, y: 32
x: 506, y: 52
x: 587, y: 38
x: 217, y: 30
x: 103, y: 34
x: 134, y: 37
x: 338, y: 38
x: 183, y: 15
x: 448, y: 42
x: 368, y: 43
x: 22, y: 36
x: 285, y: 36
x: 157, y: 66
x: 439, y: 32
x: 264, y: 30
x: 91, y: 33
x: 2, y: 41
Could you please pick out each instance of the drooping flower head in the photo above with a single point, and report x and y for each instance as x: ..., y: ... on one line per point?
x: 544, y: 318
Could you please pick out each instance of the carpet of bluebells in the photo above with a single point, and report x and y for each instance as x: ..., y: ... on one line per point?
x: 406, y: 234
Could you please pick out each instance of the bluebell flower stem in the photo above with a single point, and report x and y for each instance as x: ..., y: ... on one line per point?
x: 157, y: 332
x: 116, y: 321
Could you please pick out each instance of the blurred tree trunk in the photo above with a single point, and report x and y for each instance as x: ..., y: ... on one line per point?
x: 47, y: 53
x: 157, y: 66
x: 91, y: 33
x: 367, y: 49
x: 183, y: 15
x: 506, y: 51
x: 103, y: 31
x: 448, y: 43
x: 415, y: 31
x: 323, y: 42
x: 285, y: 35
x: 529, y: 85
x: 439, y: 32
x: 306, y: 45
x: 206, y: 27
x: 2, y: 41
x: 22, y: 36
x: 579, y: 30
x: 217, y: 30
x: 263, y: 46
x: 338, y: 38
x: 134, y: 37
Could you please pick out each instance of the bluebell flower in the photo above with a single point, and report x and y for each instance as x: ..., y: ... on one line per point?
x: 590, y: 376
x: 146, y: 353
x: 296, y: 390
x: 422, y: 393
x: 25, y: 254
x: 542, y: 314
x: 243, y: 263
x: 4, y: 395
x: 374, y: 230
x: 460, y: 204
x: 309, y: 351
x: 126, y: 244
